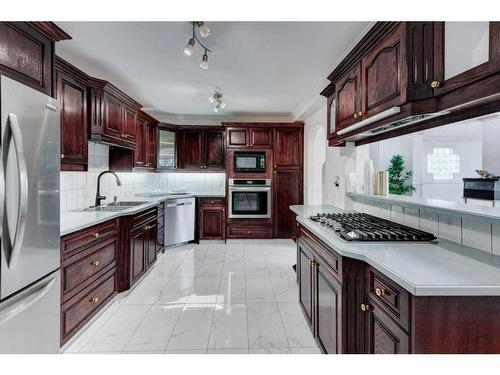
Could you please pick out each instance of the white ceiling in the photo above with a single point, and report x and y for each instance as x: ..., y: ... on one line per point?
x: 265, y: 69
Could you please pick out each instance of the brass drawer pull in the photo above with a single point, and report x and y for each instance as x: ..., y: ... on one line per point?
x: 95, y: 235
x: 435, y: 84
x: 380, y: 292
x: 366, y: 307
x: 94, y: 300
x: 94, y: 263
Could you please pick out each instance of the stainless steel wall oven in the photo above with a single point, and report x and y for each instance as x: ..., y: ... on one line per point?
x: 249, y: 198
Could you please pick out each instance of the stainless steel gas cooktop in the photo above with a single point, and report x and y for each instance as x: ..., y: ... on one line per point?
x: 364, y: 227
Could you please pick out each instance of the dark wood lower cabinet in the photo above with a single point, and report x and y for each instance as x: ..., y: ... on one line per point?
x: 137, y: 260
x: 304, y: 275
x: 328, y: 314
x: 353, y: 308
x: 384, y: 335
x: 212, y: 218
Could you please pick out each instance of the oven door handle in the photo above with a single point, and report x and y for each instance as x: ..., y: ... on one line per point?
x: 251, y: 189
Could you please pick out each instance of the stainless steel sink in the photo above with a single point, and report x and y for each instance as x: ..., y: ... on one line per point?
x: 126, y: 203
x: 104, y: 208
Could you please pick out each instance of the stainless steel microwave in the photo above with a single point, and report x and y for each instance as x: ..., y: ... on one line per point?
x: 249, y: 162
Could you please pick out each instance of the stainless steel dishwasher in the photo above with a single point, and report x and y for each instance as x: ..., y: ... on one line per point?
x: 179, y: 221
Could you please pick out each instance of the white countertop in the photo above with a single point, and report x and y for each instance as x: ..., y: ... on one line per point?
x: 439, y: 268
x: 463, y: 209
x: 73, y: 221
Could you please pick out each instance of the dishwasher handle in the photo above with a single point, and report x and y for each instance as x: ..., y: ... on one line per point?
x: 179, y: 204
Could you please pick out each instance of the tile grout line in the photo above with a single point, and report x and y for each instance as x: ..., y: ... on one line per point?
x: 135, y: 330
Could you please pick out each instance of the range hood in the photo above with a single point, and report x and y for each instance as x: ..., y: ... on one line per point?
x: 410, y: 120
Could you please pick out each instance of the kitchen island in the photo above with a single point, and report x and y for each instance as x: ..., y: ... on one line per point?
x: 395, y: 297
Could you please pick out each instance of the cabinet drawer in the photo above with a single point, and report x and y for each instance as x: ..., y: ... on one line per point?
x: 84, y: 269
x: 391, y: 297
x: 144, y: 217
x: 212, y: 202
x: 85, y: 238
x: 250, y: 232
x: 78, y: 310
x: 329, y: 256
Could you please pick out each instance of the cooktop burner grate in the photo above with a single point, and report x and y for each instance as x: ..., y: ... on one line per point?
x: 364, y: 227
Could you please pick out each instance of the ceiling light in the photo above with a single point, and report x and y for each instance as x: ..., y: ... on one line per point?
x: 204, y: 61
x: 222, y: 105
x: 211, y: 99
x: 203, y: 29
x: 189, y: 47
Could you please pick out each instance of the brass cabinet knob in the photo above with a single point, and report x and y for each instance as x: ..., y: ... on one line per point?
x: 275, y: 172
x: 355, y: 115
x: 249, y: 232
x: 379, y: 292
x: 212, y: 202
x: 62, y: 156
x: 435, y: 84
x: 275, y: 166
x: 366, y: 307
x: 95, y: 263
x: 94, y: 300
x: 95, y: 235
x: 360, y: 114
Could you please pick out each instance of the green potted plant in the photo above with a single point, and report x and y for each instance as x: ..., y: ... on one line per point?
x: 398, y: 176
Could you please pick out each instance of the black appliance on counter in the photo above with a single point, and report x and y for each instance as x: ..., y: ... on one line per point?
x: 482, y: 188
x: 249, y: 162
x: 364, y: 227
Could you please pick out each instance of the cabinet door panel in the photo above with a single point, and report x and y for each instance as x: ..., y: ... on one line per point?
x: 328, y: 311
x: 212, y: 223
x: 192, y: 148
x: 72, y: 96
x: 140, y: 152
x: 384, y: 335
x: 137, y: 261
x: 348, y: 100
x: 129, y: 124
x: 261, y: 138
x: 150, y: 146
x: 383, y: 70
x: 288, y: 148
x: 287, y: 189
x: 237, y: 138
x: 151, y: 243
x: 214, y: 149
x: 304, y: 259
x: 113, y: 118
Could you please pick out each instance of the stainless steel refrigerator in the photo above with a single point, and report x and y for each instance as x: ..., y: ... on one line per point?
x: 29, y: 214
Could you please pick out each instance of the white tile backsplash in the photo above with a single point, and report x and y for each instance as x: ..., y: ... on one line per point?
x: 482, y: 235
x: 78, y: 188
x: 476, y: 234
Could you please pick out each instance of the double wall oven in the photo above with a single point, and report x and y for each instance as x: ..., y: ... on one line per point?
x: 249, y: 198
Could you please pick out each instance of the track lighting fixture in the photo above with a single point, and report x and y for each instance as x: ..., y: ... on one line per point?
x: 216, y: 98
x: 204, y: 31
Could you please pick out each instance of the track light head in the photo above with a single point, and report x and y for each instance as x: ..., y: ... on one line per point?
x: 189, y: 47
x: 203, y: 29
x: 204, y: 61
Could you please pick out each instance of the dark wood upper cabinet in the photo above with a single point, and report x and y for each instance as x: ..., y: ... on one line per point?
x: 215, y: 151
x: 113, y: 115
x: 129, y: 124
x: 237, y: 138
x: 288, y: 147
x: 202, y: 148
x: 28, y: 53
x: 261, y: 138
x: 382, y: 72
x: 192, y: 149
x: 151, y: 135
x: 113, y: 118
x: 71, y: 92
x: 140, y: 148
x: 348, y: 98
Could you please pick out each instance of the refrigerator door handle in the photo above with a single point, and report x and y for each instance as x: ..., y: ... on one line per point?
x: 26, y: 299
x: 2, y: 191
x: 13, y: 131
